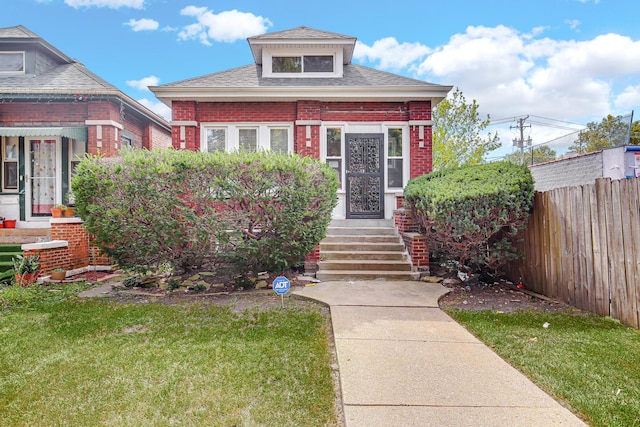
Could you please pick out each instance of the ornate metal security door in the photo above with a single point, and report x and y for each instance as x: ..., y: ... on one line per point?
x: 365, y: 175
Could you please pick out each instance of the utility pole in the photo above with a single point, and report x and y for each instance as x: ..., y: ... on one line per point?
x: 520, y: 142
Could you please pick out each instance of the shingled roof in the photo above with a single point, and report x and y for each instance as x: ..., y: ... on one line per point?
x: 247, y: 83
x: 65, y: 76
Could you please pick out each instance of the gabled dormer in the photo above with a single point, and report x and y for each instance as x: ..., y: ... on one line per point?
x: 23, y: 52
x: 302, y: 53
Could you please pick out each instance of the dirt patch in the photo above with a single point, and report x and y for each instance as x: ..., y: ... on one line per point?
x: 501, y: 296
x: 227, y: 294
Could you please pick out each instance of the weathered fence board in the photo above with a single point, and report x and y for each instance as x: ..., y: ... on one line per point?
x: 582, y: 246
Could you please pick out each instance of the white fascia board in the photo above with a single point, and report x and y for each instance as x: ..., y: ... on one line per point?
x: 390, y: 93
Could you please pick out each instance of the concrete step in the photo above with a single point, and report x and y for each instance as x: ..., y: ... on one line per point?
x: 355, y: 223
x: 363, y: 255
x: 363, y: 250
x: 372, y: 265
x: 24, y: 235
x: 355, y: 275
x: 361, y: 231
x: 361, y: 247
x: 361, y: 239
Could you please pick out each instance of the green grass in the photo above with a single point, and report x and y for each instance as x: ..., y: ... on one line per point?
x: 65, y: 361
x: 590, y: 363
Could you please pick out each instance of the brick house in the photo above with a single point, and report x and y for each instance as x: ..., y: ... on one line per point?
x: 52, y: 111
x: 303, y: 95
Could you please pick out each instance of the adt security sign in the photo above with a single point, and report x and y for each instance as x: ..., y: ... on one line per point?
x: 281, y: 285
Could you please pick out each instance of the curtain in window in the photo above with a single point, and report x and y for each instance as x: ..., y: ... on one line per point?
x: 43, y: 176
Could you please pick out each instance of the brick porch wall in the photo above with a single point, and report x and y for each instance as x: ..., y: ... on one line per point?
x: 416, y: 243
x: 70, y: 248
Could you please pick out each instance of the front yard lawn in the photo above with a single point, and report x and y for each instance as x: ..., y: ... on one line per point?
x: 91, y: 363
x: 590, y: 363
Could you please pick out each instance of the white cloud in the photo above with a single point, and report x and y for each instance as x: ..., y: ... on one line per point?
x: 111, y: 4
x: 572, y: 23
x: 510, y: 73
x: 227, y: 26
x: 143, y: 24
x: 157, y: 107
x: 143, y: 83
x: 391, y: 54
x: 629, y: 98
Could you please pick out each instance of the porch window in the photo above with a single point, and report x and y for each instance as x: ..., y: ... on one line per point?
x: 279, y: 140
x: 248, y: 139
x: 334, y: 151
x: 216, y: 140
x: 12, y: 62
x: 77, y: 153
x: 126, y: 140
x: 394, y: 158
x: 9, y: 164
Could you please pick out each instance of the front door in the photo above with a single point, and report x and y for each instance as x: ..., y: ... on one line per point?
x: 42, y: 191
x: 365, y: 175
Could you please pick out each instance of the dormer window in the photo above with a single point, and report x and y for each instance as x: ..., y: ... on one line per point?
x: 302, y: 64
x: 11, y: 62
x: 296, y: 63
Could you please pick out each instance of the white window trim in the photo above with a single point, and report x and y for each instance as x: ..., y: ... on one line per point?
x: 4, y: 141
x: 232, y: 132
x: 323, y: 149
x: 405, y: 154
x: 204, y: 141
x: 268, y: 54
x: 13, y: 52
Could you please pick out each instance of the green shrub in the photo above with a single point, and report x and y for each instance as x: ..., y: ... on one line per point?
x: 188, y: 210
x: 473, y: 214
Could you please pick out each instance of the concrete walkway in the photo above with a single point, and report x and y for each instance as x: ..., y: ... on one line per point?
x: 404, y: 362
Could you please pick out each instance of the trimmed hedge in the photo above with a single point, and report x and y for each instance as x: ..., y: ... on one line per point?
x: 472, y: 214
x: 191, y: 210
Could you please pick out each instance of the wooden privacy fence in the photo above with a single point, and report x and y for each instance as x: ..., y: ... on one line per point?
x: 582, y: 246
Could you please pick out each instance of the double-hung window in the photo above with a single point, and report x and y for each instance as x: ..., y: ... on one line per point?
x: 215, y: 140
x: 9, y: 164
x: 248, y: 139
x: 333, y: 147
x: 394, y: 158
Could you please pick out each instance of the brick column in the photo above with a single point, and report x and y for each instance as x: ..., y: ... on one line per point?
x: 184, y: 127
x: 72, y: 230
x: 420, y: 142
x: 307, y: 133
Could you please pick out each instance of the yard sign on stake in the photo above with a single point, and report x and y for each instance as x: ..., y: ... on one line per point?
x: 281, y: 286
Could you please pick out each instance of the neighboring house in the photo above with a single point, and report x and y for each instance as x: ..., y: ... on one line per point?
x: 303, y: 95
x: 53, y: 111
x: 614, y: 163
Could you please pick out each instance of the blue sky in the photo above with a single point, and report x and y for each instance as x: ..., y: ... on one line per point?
x: 558, y: 61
